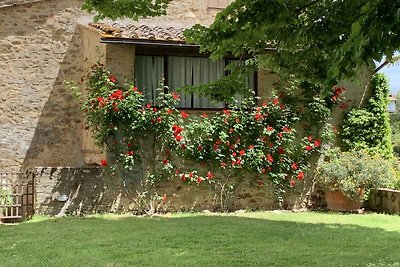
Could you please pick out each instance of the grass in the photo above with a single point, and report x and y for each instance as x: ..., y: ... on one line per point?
x: 249, y: 239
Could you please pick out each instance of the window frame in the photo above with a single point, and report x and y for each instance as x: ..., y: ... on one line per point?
x: 183, y: 51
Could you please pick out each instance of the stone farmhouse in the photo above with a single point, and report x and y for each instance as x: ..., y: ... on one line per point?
x: 46, y: 42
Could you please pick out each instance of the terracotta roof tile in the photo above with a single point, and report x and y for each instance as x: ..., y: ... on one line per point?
x: 144, y: 32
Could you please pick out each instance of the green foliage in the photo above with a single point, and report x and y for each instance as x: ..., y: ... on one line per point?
x: 133, y: 9
x: 320, y: 41
x: 260, y: 140
x: 5, y: 198
x: 369, y: 127
x: 395, y: 126
x: 226, y: 88
x: 354, y: 170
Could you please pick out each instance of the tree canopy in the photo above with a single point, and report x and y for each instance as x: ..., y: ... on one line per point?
x: 318, y: 41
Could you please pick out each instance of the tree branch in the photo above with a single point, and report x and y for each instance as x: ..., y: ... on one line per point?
x: 298, y: 11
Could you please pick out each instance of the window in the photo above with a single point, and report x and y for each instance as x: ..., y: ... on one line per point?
x: 179, y: 71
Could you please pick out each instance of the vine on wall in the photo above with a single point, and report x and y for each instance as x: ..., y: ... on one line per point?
x: 246, y: 138
x: 369, y: 127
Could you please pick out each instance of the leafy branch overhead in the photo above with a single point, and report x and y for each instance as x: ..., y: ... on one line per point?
x: 319, y: 41
x: 133, y: 9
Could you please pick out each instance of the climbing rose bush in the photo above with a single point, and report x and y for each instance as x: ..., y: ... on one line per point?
x: 250, y: 138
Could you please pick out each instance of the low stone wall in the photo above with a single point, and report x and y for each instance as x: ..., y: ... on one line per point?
x: 79, y: 191
x: 385, y: 200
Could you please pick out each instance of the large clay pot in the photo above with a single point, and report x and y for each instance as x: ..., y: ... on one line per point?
x: 338, y: 201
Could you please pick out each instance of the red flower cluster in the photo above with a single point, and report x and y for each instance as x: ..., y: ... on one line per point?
x: 177, y: 132
x: 258, y: 116
x: 184, y: 115
x: 175, y: 96
x: 112, y: 79
x: 117, y: 95
x: 337, y: 93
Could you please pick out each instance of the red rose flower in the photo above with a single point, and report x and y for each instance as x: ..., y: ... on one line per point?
x: 242, y: 152
x: 183, y: 177
x: 165, y: 161
x: 117, y: 95
x: 210, y: 175
x: 292, y: 183
x: 184, y: 115
x: 103, y: 162
x: 112, y: 79
x: 204, y: 115
x: 200, y: 148
x: 130, y: 153
x: 281, y: 150
x: 175, y: 96
x: 270, y: 159
x: 276, y: 101
x: 270, y: 129
x: 169, y: 111
x: 300, y: 176
x: 199, y: 179
x: 309, y: 138
x: 178, y: 138
x: 177, y: 129
x: 317, y: 143
x: 294, y: 166
x: 227, y: 112
x: 258, y: 116
x: 308, y: 148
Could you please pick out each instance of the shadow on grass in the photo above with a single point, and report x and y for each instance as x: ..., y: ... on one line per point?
x: 195, y: 241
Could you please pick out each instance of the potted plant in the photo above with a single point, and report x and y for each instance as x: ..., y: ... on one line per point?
x: 348, y: 176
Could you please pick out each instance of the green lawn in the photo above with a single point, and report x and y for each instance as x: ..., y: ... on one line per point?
x: 250, y: 239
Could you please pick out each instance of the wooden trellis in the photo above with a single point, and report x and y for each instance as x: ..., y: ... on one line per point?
x: 16, y: 195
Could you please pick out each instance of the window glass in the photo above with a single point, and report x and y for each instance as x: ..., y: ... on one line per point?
x: 183, y: 71
x: 149, y: 74
x: 179, y: 72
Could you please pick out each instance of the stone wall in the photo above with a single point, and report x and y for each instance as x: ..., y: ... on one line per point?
x: 40, y: 48
x: 385, y: 201
x: 92, y: 190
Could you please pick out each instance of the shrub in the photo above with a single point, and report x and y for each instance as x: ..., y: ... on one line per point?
x: 369, y: 127
x: 353, y: 170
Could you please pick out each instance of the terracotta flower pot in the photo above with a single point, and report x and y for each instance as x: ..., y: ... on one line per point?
x: 336, y: 200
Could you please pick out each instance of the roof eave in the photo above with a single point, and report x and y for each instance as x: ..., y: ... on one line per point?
x: 117, y: 40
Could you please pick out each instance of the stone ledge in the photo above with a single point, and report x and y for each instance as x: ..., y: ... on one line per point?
x: 385, y: 200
